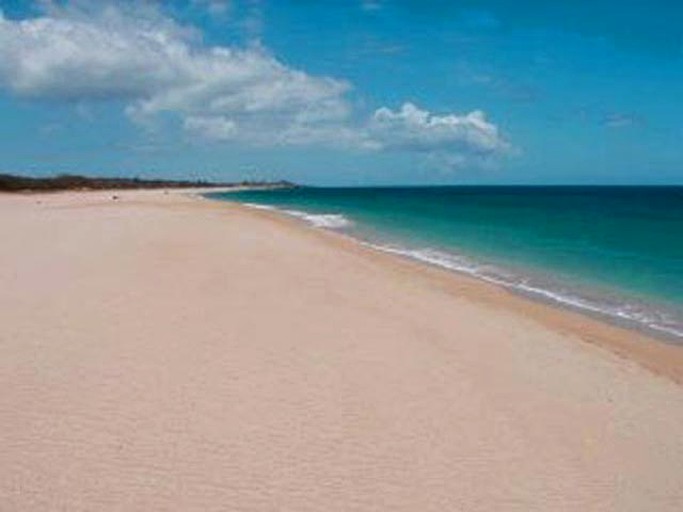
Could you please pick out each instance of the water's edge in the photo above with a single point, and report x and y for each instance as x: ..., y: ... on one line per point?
x: 628, y: 314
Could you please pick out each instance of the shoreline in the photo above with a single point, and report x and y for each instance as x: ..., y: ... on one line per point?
x: 661, y: 354
x: 161, y: 351
x: 653, y: 314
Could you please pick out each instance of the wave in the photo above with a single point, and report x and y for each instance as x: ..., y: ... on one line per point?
x: 318, y: 220
x: 322, y: 220
x: 259, y: 206
x: 628, y: 312
x: 623, y: 311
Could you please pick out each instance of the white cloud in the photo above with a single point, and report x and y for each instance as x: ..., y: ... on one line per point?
x: 217, y: 8
x: 217, y: 128
x: 77, y: 57
x: 411, y: 128
x: 159, y: 66
x: 155, y: 67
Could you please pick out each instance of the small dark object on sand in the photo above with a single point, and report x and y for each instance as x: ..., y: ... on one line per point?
x: 115, y: 198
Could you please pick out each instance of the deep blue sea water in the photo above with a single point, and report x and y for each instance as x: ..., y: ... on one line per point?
x: 615, y: 252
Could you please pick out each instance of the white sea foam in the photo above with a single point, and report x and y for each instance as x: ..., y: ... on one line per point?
x: 260, y: 206
x: 629, y: 312
x: 318, y: 220
x: 322, y: 220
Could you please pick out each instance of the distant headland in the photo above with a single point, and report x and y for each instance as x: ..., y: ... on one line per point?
x: 64, y: 182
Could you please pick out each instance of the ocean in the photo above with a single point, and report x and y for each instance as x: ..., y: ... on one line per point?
x: 611, y: 252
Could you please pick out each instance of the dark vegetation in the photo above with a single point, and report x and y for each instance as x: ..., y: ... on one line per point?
x: 14, y: 183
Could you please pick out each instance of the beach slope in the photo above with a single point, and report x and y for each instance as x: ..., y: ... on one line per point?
x: 162, y: 352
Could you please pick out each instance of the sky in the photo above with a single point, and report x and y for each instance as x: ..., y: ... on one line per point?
x: 353, y: 92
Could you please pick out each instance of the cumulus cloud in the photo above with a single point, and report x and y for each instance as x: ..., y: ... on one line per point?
x: 411, y: 128
x: 216, y: 128
x: 154, y: 66
x: 159, y: 66
x: 66, y: 55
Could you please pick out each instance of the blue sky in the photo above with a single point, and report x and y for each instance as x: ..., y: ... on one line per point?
x: 348, y: 92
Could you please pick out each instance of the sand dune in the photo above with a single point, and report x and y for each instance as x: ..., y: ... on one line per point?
x: 161, y: 352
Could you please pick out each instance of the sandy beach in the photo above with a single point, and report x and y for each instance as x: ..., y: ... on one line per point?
x: 165, y: 352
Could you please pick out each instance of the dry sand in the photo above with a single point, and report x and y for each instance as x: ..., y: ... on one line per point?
x: 165, y: 353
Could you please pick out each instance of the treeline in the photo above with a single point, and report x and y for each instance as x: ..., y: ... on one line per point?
x: 14, y: 183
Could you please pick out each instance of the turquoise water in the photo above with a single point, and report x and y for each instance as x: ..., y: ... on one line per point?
x: 612, y: 251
